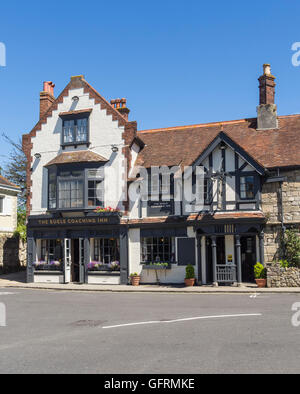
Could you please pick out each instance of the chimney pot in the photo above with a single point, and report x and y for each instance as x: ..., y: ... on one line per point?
x: 120, y: 105
x: 267, y: 69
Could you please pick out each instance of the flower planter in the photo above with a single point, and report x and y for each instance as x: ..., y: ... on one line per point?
x: 135, y: 280
x: 189, y: 282
x: 261, y: 283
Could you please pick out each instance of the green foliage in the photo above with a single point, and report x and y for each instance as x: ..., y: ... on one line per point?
x: 134, y: 274
x: 15, y: 168
x: 291, y: 246
x: 189, y: 272
x: 159, y: 264
x: 21, y: 230
x: 260, y: 271
x: 284, y: 263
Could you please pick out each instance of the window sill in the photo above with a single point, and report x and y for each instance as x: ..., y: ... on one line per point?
x: 74, y: 144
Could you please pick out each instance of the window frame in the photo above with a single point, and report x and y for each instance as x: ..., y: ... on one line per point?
x: 69, y: 178
x: 245, y: 191
x: 75, y: 118
x: 101, y: 244
x: 154, y: 242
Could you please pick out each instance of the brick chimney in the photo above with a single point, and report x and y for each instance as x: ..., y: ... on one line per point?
x: 267, y: 109
x: 120, y: 105
x: 46, y: 97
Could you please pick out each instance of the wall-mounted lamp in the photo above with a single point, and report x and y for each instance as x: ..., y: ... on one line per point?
x: 37, y: 155
x: 114, y: 148
x: 75, y: 98
x: 223, y: 146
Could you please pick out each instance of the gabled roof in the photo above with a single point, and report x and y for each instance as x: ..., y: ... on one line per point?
x: 6, y: 182
x: 183, y: 145
x: 83, y: 156
x: 77, y: 83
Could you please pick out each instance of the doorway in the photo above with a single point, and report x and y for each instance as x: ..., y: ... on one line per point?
x: 248, y: 251
x: 75, y: 275
x: 77, y: 266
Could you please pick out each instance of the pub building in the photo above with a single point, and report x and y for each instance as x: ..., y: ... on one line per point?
x: 84, y: 155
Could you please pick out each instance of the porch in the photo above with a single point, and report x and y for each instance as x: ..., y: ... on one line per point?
x: 227, y: 253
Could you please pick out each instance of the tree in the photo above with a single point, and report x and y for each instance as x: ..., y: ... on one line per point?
x: 15, y: 169
x: 291, y: 243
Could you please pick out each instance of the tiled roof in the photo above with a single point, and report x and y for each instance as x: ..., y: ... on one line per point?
x: 232, y: 216
x: 6, y: 182
x: 84, y: 156
x: 183, y: 145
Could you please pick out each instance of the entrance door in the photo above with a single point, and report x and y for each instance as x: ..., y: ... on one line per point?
x: 221, y: 258
x: 77, y: 270
x: 75, y: 261
x: 67, y: 260
x: 248, y: 250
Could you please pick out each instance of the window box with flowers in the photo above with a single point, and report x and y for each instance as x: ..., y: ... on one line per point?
x: 157, y: 266
x: 96, y: 266
x: 108, y: 211
x: 51, y: 266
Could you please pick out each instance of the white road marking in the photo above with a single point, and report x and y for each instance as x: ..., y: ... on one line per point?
x: 6, y: 293
x: 185, y: 319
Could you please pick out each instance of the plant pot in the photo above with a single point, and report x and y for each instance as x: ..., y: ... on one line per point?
x: 135, y: 280
x: 189, y: 282
x: 261, y: 283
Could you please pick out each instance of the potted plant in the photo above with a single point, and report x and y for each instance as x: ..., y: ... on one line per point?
x: 189, y: 276
x: 135, y: 279
x: 260, y: 274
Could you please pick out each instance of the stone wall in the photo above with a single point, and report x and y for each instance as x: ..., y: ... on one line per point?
x: 282, y: 277
x: 12, y: 254
x: 271, y: 207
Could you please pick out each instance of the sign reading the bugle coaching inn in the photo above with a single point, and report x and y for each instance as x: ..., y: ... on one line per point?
x: 74, y: 221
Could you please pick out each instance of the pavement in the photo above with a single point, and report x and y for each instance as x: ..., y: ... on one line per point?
x: 49, y: 331
x: 18, y: 280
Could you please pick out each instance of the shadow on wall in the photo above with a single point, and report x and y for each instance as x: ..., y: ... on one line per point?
x: 12, y: 255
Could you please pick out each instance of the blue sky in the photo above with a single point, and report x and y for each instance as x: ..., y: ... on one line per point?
x: 176, y: 62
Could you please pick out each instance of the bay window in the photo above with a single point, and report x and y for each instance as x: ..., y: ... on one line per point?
x: 74, y: 187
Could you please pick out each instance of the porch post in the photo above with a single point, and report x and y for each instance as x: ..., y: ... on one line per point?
x: 31, y: 256
x: 200, y: 266
x: 238, y: 259
x: 262, y: 247
x: 214, y: 256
